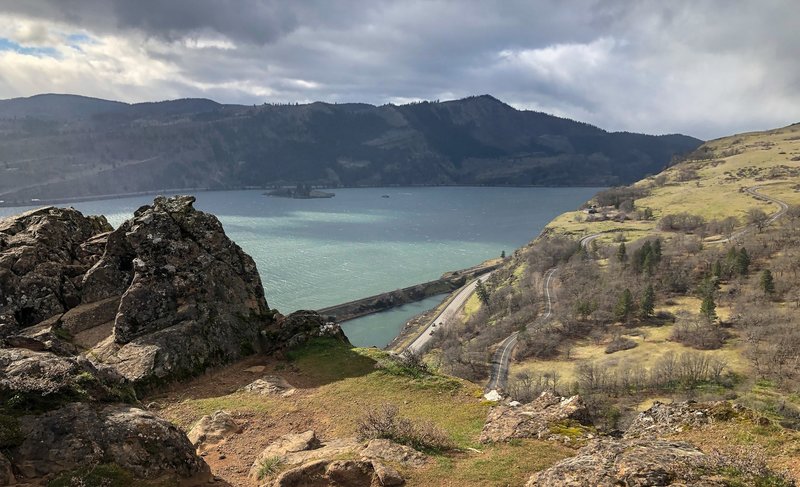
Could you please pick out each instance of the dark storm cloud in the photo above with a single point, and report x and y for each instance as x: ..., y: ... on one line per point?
x: 706, y: 67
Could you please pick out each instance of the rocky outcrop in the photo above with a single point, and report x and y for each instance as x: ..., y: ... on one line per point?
x: 664, y: 419
x: 633, y: 463
x: 546, y: 417
x: 213, y: 429
x: 191, y: 298
x: 92, y: 314
x: 339, y: 473
x: 42, y: 261
x: 80, y: 434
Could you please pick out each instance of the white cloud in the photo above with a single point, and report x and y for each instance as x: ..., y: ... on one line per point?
x: 703, y: 68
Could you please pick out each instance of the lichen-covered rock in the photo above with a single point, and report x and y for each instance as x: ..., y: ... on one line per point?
x: 79, y: 434
x: 30, y: 379
x: 190, y: 297
x: 42, y: 262
x: 664, y: 419
x: 546, y: 417
x: 633, y: 463
x: 213, y: 429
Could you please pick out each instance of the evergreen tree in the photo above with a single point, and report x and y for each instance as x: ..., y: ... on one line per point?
x: 648, y: 302
x: 716, y: 269
x: 657, y: 250
x: 482, y: 292
x: 708, y: 308
x: 621, y: 252
x: 767, y: 283
x: 503, y: 254
x: 742, y: 262
x: 624, y: 306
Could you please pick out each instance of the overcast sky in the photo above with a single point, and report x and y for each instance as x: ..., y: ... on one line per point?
x: 704, y: 68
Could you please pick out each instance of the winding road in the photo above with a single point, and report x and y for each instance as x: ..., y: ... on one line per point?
x: 502, y: 356
x: 447, y: 315
x: 753, y: 191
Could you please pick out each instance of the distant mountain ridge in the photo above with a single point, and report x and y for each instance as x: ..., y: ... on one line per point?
x: 57, y: 146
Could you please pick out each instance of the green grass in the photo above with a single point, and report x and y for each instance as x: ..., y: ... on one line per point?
x: 268, y: 467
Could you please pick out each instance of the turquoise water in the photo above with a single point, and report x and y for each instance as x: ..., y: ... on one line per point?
x: 380, y: 328
x: 320, y: 252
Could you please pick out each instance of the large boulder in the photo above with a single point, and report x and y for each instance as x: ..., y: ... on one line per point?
x: 79, y: 435
x: 546, y: 417
x: 42, y: 261
x: 632, y: 463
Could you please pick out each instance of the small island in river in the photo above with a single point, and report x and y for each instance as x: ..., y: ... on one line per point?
x: 301, y: 191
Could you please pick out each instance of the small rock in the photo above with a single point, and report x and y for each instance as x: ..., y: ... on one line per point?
x: 211, y: 430
x: 256, y: 369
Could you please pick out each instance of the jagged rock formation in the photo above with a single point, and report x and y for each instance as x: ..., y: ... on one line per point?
x: 92, y: 314
x: 546, y: 417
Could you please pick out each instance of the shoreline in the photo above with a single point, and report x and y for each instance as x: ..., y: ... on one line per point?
x: 39, y: 202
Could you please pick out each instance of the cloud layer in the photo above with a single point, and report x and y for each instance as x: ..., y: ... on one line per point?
x: 705, y: 67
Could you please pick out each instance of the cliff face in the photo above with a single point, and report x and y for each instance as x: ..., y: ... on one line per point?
x: 81, y: 147
x: 92, y: 315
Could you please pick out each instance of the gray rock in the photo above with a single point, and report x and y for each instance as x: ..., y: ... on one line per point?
x: 78, y: 435
x: 633, y: 463
x: 40, y: 256
x: 546, y: 417
x: 213, y: 429
x: 662, y: 419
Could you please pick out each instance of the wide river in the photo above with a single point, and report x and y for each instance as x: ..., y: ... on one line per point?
x: 320, y: 252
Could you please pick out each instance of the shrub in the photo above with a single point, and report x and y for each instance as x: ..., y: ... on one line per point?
x: 620, y: 343
x: 384, y: 422
x: 268, y: 467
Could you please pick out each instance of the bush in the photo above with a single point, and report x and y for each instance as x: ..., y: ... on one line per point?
x: 620, y: 343
x: 268, y: 467
x: 384, y: 422
x: 681, y: 222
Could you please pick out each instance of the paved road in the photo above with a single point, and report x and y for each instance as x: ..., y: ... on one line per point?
x: 502, y: 356
x: 783, y: 207
x: 447, y: 315
x: 585, y: 241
